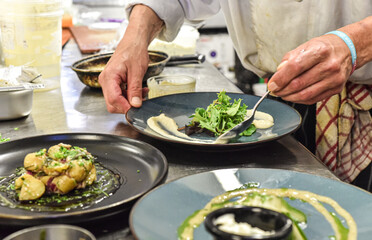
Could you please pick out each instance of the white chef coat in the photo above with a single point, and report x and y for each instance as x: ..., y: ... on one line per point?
x: 264, y: 30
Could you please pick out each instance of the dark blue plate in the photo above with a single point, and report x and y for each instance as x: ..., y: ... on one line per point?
x: 181, y: 106
x: 159, y: 213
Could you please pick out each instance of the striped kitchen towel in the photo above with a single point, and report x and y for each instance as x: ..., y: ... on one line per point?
x: 344, y: 131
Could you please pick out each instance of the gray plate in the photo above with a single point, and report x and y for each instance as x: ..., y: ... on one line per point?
x: 140, y: 165
x: 181, y: 106
x: 176, y: 200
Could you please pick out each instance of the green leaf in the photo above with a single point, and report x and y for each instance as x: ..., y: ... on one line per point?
x: 249, y: 131
x: 234, y: 108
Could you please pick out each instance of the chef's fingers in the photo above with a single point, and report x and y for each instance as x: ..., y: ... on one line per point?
x: 112, y: 92
x: 135, y: 78
x: 328, y: 71
x: 296, y: 62
x: 316, y: 92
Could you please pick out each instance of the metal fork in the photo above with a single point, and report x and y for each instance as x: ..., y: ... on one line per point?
x: 241, y: 127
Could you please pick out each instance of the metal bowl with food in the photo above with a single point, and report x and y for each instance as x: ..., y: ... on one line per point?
x: 89, y: 68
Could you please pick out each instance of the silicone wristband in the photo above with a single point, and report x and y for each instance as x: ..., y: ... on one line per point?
x: 349, y: 44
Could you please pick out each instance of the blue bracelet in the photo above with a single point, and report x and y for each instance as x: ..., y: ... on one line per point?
x: 349, y: 43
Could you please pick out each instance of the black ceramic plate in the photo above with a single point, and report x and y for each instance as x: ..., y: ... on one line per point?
x: 140, y: 165
x: 181, y: 106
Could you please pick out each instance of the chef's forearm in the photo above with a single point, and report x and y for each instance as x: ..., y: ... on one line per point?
x: 144, y: 25
x: 361, y: 35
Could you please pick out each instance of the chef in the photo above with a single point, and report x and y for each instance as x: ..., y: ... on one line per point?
x: 314, y: 51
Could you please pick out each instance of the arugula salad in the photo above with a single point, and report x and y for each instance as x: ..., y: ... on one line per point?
x: 220, y: 116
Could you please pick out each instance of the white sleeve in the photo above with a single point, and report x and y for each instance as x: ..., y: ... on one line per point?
x: 174, y: 12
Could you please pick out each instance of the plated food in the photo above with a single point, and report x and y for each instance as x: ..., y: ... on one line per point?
x: 58, y: 178
x: 137, y: 165
x: 180, y: 107
x: 178, y: 110
x: 219, y: 117
x: 178, y: 200
x: 58, y: 170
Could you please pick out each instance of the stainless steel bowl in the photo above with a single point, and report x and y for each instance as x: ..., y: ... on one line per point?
x: 15, y: 104
x: 52, y: 232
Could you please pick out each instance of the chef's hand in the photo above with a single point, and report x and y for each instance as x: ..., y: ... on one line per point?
x: 313, y: 71
x: 121, y: 80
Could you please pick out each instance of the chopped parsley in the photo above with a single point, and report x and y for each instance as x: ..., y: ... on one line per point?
x: 41, y: 152
x: 3, y: 139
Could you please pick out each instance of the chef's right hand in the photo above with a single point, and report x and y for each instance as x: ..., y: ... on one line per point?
x: 121, y: 80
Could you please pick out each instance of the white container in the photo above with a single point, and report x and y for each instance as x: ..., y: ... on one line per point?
x: 31, y: 34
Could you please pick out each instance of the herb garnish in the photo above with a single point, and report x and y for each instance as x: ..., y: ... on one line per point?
x: 221, y: 115
x: 3, y: 139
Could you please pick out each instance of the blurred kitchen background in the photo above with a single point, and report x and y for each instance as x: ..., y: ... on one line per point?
x: 211, y: 39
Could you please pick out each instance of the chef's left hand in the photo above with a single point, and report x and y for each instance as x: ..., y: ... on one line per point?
x: 313, y: 71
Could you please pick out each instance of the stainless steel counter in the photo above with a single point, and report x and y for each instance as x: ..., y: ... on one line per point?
x: 76, y: 108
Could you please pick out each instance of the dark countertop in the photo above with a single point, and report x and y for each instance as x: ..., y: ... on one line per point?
x: 76, y: 108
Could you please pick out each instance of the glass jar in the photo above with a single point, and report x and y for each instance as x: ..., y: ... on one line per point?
x: 170, y: 84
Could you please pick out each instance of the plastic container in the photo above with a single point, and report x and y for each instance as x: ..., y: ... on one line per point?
x: 165, y: 85
x: 31, y: 34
